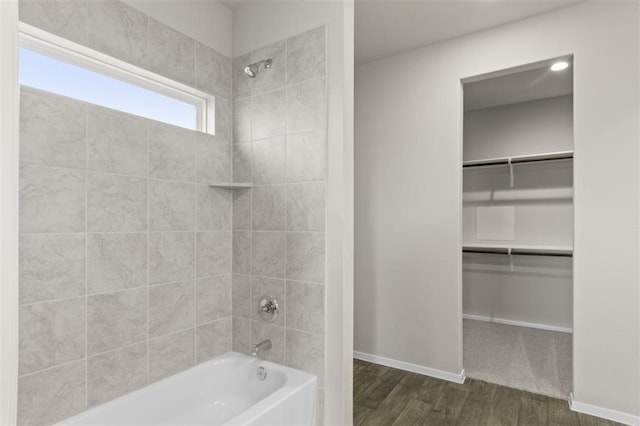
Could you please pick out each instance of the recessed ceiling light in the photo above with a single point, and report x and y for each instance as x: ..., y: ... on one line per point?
x: 559, y: 66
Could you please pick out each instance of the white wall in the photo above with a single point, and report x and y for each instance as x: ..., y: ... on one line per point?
x: 408, y: 184
x: 257, y: 24
x: 9, y: 120
x: 207, y: 21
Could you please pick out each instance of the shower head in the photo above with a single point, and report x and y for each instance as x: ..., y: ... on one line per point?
x: 253, y: 69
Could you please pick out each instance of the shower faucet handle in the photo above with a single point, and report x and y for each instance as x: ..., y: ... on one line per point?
x: 268, y: 308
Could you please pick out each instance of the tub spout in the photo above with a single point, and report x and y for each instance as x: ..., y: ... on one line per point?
x: 265, y: 345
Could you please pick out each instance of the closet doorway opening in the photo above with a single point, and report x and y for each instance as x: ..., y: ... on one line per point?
x: 517, y: 219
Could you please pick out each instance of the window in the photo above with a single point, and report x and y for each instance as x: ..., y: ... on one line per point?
x: 50, y: 63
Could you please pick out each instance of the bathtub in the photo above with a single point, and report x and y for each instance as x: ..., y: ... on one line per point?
x: 223, y: 391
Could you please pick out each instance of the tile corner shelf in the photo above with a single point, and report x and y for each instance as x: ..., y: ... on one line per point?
x: 230, y: 185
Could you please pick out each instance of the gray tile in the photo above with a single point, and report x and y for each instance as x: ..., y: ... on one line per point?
x: 51, y: 333
x: 241, y: 296
x: 170, y: 354
x: 171, y: 53
x: 268, y: 208
x: 52, y: 129
x: 213, y: 298
x: 171, y: 257
x: 306, y: 56
x: 171, y: 206
x: 305, y: 352
x: 116, y: 262
x: 305, y: 256
x: 116, y: 203
x: 65, y: 18
x: 269, y: 161
x: 171, y: 152
x: 268, y: 115
x: 261, y: 331
x: 224, y: 119
x: 241, y: 335
x: 213, y: 71
x: 242, y: 120
x: 116, y: 142
x: 213, y: 339
x: 213, y: 253
x: 241, y: 256
x: 116, y: 319
x: 241, y: 83
x: 242, y: 209
x: 306, y: 157
x: 171, y: 308
x: 51, y: 199
x: 273, y: 287
x: 306, y: 206
x: 116, y: 373
x: 213, y: 208
x: 307, y: 107
x: 52, y: 395
x: 268, y: 254
x: 213, y: 159
x: 242, y: 162
x: 305, y: 306
x: 118, y: 30
x: 272, y: 78
x: 51, y: 267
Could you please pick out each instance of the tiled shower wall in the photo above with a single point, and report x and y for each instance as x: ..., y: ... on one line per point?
x: 280, y: 144
x: 125, y: 251
x: 125, y: 254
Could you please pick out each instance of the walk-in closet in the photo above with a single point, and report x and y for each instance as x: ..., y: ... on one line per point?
x: 518, y: 227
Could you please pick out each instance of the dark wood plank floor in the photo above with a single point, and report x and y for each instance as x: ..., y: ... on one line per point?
x: 387, y: 396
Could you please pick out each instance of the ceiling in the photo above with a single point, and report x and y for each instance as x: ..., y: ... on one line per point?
x: 233, y: 4
x: 519, y: 86
x: 388, y: 27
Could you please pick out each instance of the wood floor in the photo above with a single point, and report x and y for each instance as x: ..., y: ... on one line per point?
x: 387, y: 396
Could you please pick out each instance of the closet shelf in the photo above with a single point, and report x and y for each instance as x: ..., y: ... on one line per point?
x: 524, y: 250
x: 229, y: 185
x: 532, y: 158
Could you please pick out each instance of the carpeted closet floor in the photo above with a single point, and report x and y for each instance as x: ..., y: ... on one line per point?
x: 533, y: 360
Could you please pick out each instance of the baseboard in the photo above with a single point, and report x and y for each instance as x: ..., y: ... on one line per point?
x: 414, y: 368
x: 605, y: 413
x: 518, y: 323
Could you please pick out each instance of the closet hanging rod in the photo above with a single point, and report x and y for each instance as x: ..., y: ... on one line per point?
x: 533, y: 158
x: 518, y: 251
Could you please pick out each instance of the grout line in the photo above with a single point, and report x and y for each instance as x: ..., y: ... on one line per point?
x: 148, y: 243
x: 127, y: 346
x: 280, y: 135
x: 172, y: 333
x: 251, y: 241
x: 78, y: 233
x: 169, y: 231
x: 62, y: 364
x: 286, y: 199
x: 87, y: 296
x: 195, y: 241
x: 258, y: 321
x: 282, y: 231
x: 86, y: 258
x: 194, y: 181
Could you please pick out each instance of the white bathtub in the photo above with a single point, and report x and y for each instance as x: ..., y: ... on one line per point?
x: 223, y: 391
